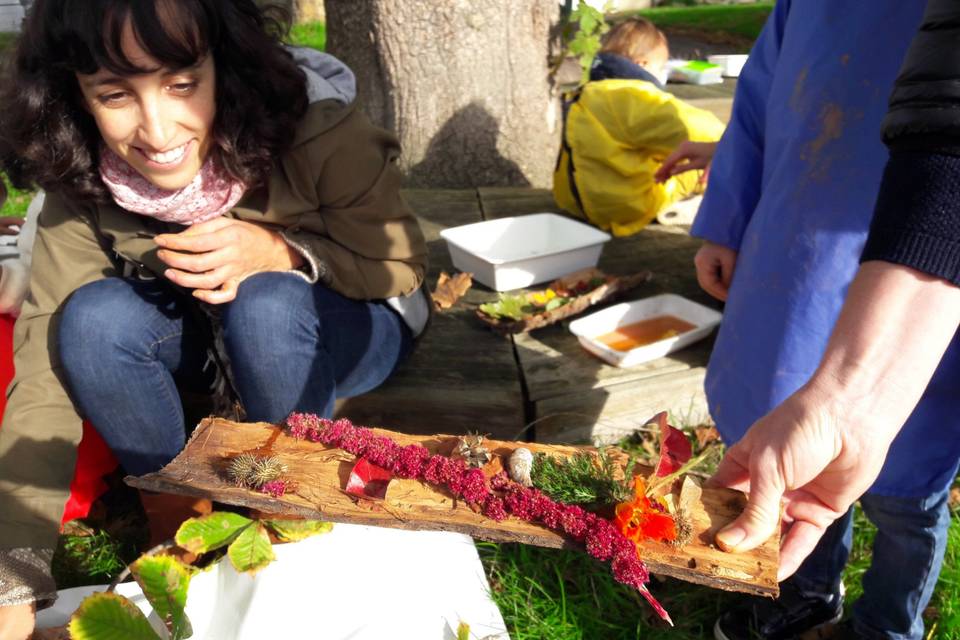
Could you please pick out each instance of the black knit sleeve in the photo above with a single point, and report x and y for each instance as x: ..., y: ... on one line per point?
x: 917, y: 218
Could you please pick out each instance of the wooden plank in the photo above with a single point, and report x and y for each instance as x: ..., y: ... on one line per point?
x: 503, y: 202
x: 575, y: 396
x: 554, y: 363
x: 461, y: 377
x: 320, y: 474
x: 607, y: 415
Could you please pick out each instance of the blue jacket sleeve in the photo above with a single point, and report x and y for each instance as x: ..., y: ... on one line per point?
x: 737, y: 170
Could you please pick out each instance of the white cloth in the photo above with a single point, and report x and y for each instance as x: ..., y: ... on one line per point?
x: 354, y: 583
x: 15, y: 261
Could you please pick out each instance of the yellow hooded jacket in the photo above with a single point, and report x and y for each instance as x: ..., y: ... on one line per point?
x: 616, y: 135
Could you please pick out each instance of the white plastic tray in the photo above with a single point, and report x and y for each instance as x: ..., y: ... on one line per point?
x: 588, y: 328
x: 511, y: 253
x: 730, y: 65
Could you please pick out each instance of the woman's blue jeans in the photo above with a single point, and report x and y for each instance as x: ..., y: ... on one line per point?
x: 126, y: 346
x: 906, y: 560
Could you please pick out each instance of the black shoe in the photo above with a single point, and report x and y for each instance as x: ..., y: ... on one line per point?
x: 790, y: 615
x: 845, y: 631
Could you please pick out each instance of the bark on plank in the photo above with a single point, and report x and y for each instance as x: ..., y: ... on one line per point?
x: 320, y: 474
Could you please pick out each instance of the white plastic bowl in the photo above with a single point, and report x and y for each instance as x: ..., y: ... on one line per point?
x: 511, y: 253
x: 730, y: 65
x: 588, y: 328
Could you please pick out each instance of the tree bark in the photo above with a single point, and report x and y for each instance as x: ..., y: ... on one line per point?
x: 463, y: 84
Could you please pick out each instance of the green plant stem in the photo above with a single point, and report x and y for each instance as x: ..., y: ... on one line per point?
x: 670, y: 478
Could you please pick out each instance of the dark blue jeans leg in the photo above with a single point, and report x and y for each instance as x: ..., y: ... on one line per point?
x: 294, y: 346
x: 821, y: 573
x: 907, y: 558
x: 124, y: 346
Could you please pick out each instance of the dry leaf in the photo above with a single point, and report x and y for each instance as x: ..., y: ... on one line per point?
x: 449, y: 290
x: 571, y: 280
x: 706, y: 435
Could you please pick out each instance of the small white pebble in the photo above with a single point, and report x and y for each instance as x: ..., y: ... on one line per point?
x: 519, y: 466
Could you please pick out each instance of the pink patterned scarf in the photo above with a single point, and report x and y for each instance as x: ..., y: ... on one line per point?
x: 211, y: 193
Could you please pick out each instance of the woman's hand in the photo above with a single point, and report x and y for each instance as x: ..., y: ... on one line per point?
x: 801, y: 456
x: 17, y: 622
x: 826, y: 444
x: 214, y: 257
x: 715, y: 264
x: 689, y: 156
x: 10, y: 226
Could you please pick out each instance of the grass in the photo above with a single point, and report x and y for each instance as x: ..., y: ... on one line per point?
x: 309, y: 34
x: 565, y: 595
x: 90, y: 556
x: 17, y: 201
x: 742, y: 21
x: 548, y: 594
x: 6, y: 40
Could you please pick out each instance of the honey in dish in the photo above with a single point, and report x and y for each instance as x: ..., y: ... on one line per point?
x: 638, y: 334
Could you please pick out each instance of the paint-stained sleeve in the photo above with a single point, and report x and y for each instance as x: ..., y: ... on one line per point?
x: 737, y: 170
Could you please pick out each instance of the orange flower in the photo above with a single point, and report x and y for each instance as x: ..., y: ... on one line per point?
x: 644, y: 518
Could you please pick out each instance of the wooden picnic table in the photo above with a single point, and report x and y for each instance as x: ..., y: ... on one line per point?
x: 463, y: 377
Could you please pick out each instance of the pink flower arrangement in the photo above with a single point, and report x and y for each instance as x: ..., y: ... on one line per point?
x: 275, y: 488
x: 601, y: 537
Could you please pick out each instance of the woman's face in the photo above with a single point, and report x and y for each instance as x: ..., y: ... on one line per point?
x: 159, y: 122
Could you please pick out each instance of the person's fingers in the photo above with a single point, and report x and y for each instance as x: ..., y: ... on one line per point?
x: 7, y: 231
x: 799, y: 541
x: 209, y: 280
x: 711, y: 283
x: 224, y: 294
x: 10, y: 221
x: 727, y: 264
x: 192, y: 243
x: 761, y: 516
x: 731, y: 473
x: 666, y: 167
x: 194, y: 262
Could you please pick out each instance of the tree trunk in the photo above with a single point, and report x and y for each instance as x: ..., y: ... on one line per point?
x: 462, y: 83
x: 310, y: 11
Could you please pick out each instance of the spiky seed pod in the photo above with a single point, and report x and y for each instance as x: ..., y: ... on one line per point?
x: 240, y: 469
x: 519, y: 466
x: 684, y: 528
x: 266, y: 469
x: 471, y: 449
x: 251, y: 471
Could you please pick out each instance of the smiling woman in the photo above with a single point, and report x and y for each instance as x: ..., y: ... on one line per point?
x: 220, y: 218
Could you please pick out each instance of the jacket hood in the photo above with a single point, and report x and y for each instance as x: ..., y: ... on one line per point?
x: 610, y: 66
x: 327, y: 77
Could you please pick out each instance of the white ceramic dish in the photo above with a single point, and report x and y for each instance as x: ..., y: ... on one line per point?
x: 730, y: 65
x: 588, y: 328
x: 511, y: 253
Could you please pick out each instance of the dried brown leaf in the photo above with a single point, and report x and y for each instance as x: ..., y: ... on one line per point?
x: 450, y: 289
x: 706, y: 435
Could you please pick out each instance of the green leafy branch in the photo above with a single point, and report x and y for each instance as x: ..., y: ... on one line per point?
x: 583, y: 478
x: 582, y: 37
x: 165, y: 579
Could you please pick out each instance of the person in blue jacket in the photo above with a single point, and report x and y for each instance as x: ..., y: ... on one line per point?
x: 785, y: 218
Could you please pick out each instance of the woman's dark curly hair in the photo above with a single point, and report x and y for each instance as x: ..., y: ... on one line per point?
x: 48, y: 138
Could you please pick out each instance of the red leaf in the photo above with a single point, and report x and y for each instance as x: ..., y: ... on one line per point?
x: 368, y: 480
x: 675, y: 449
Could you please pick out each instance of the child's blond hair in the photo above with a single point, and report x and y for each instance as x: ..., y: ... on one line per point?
x: 634, y: 38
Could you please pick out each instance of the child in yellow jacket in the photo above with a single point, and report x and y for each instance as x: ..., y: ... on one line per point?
x: 619, y: 127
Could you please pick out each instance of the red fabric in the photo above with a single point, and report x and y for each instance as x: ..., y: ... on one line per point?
x: 94, y: 458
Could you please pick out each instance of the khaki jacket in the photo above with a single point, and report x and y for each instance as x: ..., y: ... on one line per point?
x: 334, y: 196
